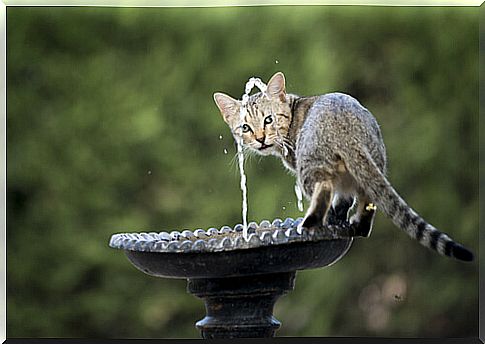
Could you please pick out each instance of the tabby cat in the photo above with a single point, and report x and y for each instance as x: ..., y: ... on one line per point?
x: 335, y: 148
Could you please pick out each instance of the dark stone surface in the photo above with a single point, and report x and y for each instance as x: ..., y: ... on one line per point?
x: 260, y: 260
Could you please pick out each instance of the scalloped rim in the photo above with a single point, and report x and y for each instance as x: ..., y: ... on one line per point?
x: 223, y: 239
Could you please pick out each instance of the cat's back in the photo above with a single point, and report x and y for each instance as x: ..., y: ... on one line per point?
x: 338, y: 119
x: 341, y: 115
x: 339, y: 106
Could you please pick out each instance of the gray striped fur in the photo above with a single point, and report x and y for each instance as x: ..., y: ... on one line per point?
x: 333, y: 139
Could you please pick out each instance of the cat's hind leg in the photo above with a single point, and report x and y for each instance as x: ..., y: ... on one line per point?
x: 338, y: 214
x: 363, y: 218
x: 319, y: 205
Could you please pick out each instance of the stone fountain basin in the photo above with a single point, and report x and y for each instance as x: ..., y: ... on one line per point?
x: 272, y: 247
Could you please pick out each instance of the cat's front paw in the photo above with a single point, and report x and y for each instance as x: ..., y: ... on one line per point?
x: 308, y: 222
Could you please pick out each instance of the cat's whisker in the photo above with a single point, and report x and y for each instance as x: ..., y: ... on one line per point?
x: 249, y: 154
x: 287, y: 141
x: 284, y: 144
x: 233, y: 163
x: 278, y: 144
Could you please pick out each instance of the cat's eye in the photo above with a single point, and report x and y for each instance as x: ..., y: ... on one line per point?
x: 246, y: 128
x: 268, y: 120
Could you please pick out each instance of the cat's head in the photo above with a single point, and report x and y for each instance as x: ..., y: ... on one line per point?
x: 267, y: 118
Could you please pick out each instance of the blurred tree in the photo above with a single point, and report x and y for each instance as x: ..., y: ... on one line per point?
x: 111, y: 128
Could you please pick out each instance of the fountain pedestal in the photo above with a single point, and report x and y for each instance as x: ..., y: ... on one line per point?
x: 240, y: 306
x: 239, y: 280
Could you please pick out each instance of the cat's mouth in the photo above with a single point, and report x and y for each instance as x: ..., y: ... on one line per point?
x: 264, y: 146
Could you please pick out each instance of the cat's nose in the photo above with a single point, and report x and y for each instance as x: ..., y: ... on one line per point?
x: 261, y: 139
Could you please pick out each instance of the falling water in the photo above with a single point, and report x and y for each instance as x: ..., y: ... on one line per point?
x: 252, y: 82
x: 299, y: 197
x: 244, y: 190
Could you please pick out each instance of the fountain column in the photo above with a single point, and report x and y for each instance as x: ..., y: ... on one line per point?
x: 240, y: 306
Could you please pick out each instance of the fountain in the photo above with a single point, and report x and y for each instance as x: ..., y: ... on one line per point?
x: 239, y: 280
x: 239, y: 272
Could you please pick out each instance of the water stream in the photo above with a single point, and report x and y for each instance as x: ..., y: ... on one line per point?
x: 299, y: 197
x: 252, y: 82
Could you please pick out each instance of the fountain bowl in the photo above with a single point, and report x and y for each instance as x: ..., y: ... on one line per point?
x: 271, y: 248
x: 240, y: 278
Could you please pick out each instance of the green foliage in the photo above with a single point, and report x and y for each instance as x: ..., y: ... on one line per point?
x: 111, y: 128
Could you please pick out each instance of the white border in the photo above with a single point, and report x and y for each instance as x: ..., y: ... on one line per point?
x: 221, y: 3
x: 134, y: 3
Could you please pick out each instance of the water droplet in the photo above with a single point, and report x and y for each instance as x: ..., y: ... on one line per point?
x: 225, y: 151
x: 277, y: 62
x: 284, y: 208
x: 220, y: 137
x: 149, y: 172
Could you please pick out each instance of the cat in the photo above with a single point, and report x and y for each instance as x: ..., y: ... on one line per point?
x: 335, y: 148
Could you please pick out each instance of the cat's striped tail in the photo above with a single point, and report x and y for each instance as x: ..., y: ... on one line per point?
x: 402, y: 215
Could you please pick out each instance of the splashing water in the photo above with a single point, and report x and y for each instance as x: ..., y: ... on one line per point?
x: 299, y: 197
x: 252, y: 82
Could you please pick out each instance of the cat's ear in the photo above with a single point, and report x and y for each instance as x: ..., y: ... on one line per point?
x: 228, y: 106
x: 276, y: 87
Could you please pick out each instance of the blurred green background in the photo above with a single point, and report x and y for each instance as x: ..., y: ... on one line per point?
x: 111, y: 127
